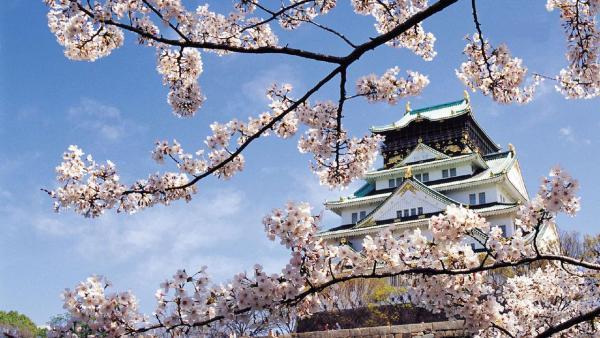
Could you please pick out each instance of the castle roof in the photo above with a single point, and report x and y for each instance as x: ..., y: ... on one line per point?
x: 350, y: 230
x: 496, y: 168
x: 433, y: 113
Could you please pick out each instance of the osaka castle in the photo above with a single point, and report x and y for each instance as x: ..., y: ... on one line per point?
x: 432, y: 157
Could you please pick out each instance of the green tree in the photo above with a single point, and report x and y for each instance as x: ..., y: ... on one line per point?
x: 20, y: 325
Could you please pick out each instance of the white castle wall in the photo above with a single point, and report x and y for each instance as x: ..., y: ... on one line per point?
x: 347, y: 213
x: 506, y: 220
x: 462, y: 195
x: 434, y: 174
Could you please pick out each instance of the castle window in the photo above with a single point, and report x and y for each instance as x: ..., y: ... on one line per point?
x: 399, y: 181
x: 399, y: 214
x: 425, y: 177
x: 419, y: 211
x: 445, y: 173
x: 354, y: 217
x: 391, y: 183
x: 472, y: 199
x: 418, y: 177
x: 413, y: 212
x: 405, y: 212
x: 363, y: 214
x: 452, y: 172
x: 481, y: 198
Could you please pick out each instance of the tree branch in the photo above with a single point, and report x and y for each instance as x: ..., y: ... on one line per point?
x: 591, y: 315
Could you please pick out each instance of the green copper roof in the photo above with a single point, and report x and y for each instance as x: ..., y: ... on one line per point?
x: 434, y: 113
x: 436, y: 107
x: 364, y: 190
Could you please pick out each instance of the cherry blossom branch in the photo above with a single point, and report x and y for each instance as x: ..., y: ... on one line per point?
x: 360, y: 152
x: 330, y: 30
x: 159, y: 14
x: 252, y: 137
x: 480, y: 34
x: 214, y: 46
x: 398, y: 30
x: 445, y: 266
x: 588, y: 316
x: 274, y: 15
x: 316, y: 289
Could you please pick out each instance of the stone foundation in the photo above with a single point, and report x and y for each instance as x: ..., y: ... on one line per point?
x: 453, y: 328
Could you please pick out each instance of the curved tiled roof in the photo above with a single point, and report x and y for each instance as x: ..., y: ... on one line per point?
x: 491, y: 210
x: 434, y: 113
x: 498, y: 164
x: 425, y: 165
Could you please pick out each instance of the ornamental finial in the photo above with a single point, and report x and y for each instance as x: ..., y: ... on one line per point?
x: 407, y: 108
x: 466, y: 96
x: 512, y: 149
x: 408, y: 172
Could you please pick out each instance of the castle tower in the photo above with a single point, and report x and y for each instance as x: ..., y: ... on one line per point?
x: 432, y: 157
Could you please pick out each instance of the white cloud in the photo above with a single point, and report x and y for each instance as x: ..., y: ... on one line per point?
x: 154, y: 243
x: 255, y: 89
x: 567, y: 134
x: 105, y: 120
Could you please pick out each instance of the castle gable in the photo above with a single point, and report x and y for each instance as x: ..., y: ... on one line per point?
x: 410, y: 200
x: 422, y: 153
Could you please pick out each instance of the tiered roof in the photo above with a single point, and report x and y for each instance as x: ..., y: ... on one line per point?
x: 496, y: 167
x: 449, y: 129
x: 433, y: 113
x: 424, y: 139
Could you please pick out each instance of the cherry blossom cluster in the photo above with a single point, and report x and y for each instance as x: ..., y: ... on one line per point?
x: 515, y: 307
x: 339, y: 159
x: 468, y: 296
x: 180, y: 70
x: 88, y: 186
x: 495, y: 72
x: 556, y: 194
x: 91, y: 188
x: 83, y: 38
x: 391, y: 13
x: 91, y: 309
x: 552, y: 293
x: 389, y: 88
x: 232, y: 30
x: 443, y: 274
x: 304, y: 11
x: 581, y: 79
x: 455, y: 223
x: 88, y: 32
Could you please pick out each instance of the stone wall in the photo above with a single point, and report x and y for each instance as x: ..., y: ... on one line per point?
x: 453, y: 328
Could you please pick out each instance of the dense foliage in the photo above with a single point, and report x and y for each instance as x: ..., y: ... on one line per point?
x: 19, y: 325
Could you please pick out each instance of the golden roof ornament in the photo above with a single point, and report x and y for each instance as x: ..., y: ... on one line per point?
x: 408, y: 172
x: 407, y: 108
x: 466, y: 96
x: 512, y: 149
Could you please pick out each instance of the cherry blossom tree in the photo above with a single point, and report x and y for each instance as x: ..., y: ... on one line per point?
x: 561, y: 296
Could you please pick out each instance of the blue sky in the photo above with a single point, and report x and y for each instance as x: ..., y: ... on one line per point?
x: 115, y: 108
